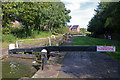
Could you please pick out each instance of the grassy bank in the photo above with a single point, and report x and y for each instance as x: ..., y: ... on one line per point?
x: 100, y: 42
x: 9, y: 38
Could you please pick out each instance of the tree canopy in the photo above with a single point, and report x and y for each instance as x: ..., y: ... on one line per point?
x: 35, y: 15
x: 107, y: 18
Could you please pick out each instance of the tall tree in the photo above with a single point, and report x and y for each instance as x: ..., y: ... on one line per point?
x: 35, y: 15
x: 106, y: 18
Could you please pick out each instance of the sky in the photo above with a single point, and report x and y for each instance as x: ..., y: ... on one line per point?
x: 81, y: 11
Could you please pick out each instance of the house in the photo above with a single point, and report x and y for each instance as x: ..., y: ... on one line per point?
x: 74, y: 28
x: 16, y: 22
x: 69, y: 26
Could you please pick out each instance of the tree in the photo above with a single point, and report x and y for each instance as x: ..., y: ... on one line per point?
x: 82, y: 30
x: 35, y: 15
x: 106, y: 18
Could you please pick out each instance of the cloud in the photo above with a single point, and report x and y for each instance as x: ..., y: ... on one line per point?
x: 81, y: 11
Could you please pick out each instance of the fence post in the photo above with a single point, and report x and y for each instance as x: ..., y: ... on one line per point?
x: 20, y: 45
x: 49, y: 41
x: 44, y: 59
x: 16, y: 44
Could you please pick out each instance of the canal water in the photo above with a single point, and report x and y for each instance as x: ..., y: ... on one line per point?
x: 18, y: 68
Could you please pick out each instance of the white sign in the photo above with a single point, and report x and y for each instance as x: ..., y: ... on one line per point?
x: 106, y: 48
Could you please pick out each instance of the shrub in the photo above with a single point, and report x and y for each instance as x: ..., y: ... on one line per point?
x: 6, y: 30
x: 61, y: 30
x: 18, y: 31
x: 8, y: 38
x: 88, y: 33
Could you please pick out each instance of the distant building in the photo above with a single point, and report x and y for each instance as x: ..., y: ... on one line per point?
x: 45, y: 27
x: 74, y: 28
x: 69, y: 26
x: 16, y: 22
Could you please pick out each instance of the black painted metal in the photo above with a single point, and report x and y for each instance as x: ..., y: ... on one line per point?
x: 55, y: 48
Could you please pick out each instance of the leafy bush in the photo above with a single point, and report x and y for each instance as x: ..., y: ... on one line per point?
x: 8, y: 38
x: 41, y: 34
x: 36, y: 32
x: 6, y: 30
x: 88, y: 33
x: 15, y: 27
x: 61, y: 30
x: 82, y: 30
x: 18, y: 31
x: 74, y: 32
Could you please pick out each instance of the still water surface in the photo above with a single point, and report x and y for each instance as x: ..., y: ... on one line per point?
x: 17, y: 68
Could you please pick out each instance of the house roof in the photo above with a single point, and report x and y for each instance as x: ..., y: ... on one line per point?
x: 16, y: 22
x: 75, y: 26
x: 69, y: 26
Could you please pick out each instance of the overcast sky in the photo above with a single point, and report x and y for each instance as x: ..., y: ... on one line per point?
x: 81, y: 11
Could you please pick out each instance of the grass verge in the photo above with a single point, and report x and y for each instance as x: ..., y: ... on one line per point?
x: 99, y: 42
x: 10, y: 38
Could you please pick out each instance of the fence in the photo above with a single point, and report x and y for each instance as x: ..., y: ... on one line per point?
x: 51, y: 41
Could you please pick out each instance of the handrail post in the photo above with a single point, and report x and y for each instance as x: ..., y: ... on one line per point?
x: 49, y: 41
x: 16, y: 44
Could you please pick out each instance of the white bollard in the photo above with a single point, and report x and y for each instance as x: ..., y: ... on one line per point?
x: 12, y: 46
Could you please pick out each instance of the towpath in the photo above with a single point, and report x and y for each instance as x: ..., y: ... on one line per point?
x: 82, y: 65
